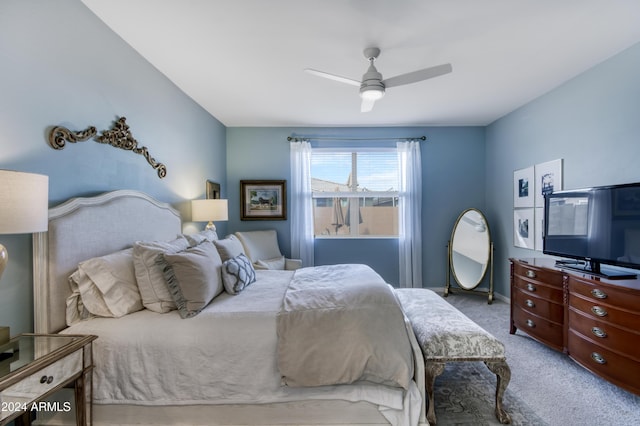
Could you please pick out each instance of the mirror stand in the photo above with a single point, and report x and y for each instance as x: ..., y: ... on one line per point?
x: 448, y: 287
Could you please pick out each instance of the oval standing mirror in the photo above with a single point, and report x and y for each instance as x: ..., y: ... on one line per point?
x: 470, y: 252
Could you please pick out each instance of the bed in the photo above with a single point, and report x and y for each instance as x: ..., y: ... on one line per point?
x: 223, y: 365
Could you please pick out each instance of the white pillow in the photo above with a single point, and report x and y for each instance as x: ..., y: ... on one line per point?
x: 151, y: 282
x: 106, y: 286
x: 229, y: 248
x: 202, y: 236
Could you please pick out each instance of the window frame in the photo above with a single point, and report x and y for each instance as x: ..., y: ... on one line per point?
x: 354, y: 194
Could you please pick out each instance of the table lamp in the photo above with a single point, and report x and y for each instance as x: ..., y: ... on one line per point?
x: 209, y: 210
x: 24, y: 206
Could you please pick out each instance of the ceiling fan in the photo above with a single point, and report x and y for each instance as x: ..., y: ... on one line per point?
x: 372, y: 86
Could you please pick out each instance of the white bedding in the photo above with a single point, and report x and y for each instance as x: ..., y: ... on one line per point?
x: 224, y: 355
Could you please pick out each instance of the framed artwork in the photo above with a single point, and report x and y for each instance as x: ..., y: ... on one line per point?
x: 212, y: 190
x: 523, y: 187
x: 523, y: 228
x: 548, y: 178
x: 538, y: 217
x: 263, y: 200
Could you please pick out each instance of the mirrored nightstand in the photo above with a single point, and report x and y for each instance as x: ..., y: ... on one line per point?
x: 34, y: 366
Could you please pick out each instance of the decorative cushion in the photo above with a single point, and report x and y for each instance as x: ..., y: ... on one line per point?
x: 277, y: 263
x: 237, y: 273
x: 202, y: 236
x: 443, y: 332
x: 151, y: 282
x: 229, y: 248
x: 107, y: 285
x: 193, y: 277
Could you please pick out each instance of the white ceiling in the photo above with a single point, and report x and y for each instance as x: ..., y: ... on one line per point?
x: 243, y: 60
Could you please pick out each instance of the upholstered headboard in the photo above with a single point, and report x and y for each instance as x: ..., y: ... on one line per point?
x: 83, y: 228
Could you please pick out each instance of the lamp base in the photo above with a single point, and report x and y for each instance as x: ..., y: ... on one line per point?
x: 210, y: 226
x: 4, y: 258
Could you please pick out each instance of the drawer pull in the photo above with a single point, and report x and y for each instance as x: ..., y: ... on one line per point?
x: 531, y: 287
x: 46, y: 379
x: 598, y: 332
x: 530, y: 303
x: 598, y: 358
x: 531, y: 274
x: 596, y: 292
x: 597, y: 310
x: 530, y: 323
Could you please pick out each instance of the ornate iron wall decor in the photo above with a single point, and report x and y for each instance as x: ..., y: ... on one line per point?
x: 119, y: 136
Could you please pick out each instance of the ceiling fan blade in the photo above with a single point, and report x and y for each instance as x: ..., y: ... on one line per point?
x: 415, y: 76
x: 333, y: 77
x: 366, y: 105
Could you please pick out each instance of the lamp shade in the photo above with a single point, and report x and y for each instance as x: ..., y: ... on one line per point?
x: 24, y: 202
x: 209, y: 210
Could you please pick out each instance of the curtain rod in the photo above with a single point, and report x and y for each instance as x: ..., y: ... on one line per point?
x: 303, y: 139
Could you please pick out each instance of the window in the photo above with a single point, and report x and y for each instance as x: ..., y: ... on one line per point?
x: 355, y: 192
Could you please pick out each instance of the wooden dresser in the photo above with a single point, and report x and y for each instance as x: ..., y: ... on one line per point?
x: 595, y: 321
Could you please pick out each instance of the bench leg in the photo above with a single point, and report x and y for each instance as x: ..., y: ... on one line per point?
x: 432, y: 370
x: 503, y: 374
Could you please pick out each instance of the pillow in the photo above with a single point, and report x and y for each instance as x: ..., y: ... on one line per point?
x: 106, y: 286
x: 275, y: 263
x: 229, y: 248
x: 151, y: 282
x: 76, y: 311
x: 237, y: 273
x: 193, y: 277
x: 202, y: 236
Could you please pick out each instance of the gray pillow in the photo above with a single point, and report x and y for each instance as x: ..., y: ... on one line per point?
x: 237, y: 273
x: 229, y: 248
x: 202, y: 236
x: 193, y: 277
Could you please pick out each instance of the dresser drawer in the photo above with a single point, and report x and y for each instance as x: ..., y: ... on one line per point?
x: 553, y: 278
x: 618, y: 369
x: 538, y: 289
x: 541, y: 307
x: 602, y: 311
x: 539, y: 328
x: 605, y: 334
x: 44, y: 380
x: 606, y: 294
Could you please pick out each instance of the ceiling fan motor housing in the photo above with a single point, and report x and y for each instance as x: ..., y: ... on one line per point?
x: 372, y: 86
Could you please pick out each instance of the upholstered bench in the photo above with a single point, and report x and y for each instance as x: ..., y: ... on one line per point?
x: 445, y: 335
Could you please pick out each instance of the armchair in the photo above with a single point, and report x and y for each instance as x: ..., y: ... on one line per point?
x: 261, y: 247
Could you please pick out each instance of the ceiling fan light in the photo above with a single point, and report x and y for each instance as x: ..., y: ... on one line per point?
x: 372, y: 93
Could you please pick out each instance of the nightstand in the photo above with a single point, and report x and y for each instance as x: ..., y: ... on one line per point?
x: 34, y: 366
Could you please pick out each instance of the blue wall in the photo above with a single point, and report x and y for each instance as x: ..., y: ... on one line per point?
x: 62, y: 66
x: 453, y: 173
x: 592, y: 122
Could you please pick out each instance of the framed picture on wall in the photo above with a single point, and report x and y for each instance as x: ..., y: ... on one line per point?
x: 212, y: 190
x: 548, y: 178
x: 538, y: 227
x: 263, y: 200
x: 523, y: 228
x: 523, y: 187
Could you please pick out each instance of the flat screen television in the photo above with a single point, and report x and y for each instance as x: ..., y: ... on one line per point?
x: 593, y: 227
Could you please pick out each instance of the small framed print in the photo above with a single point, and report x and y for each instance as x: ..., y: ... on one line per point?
x: 263, y: 200
x: 523, y: 228
x: 523, y: 187
x: 539, y: 227
x: 548, y: 179
x: 212, y: 190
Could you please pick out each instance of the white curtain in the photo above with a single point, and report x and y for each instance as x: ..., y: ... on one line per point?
x: 301, y: 204
x: 410, y: 205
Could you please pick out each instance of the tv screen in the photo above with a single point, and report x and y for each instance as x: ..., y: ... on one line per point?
x: 595, y: 226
